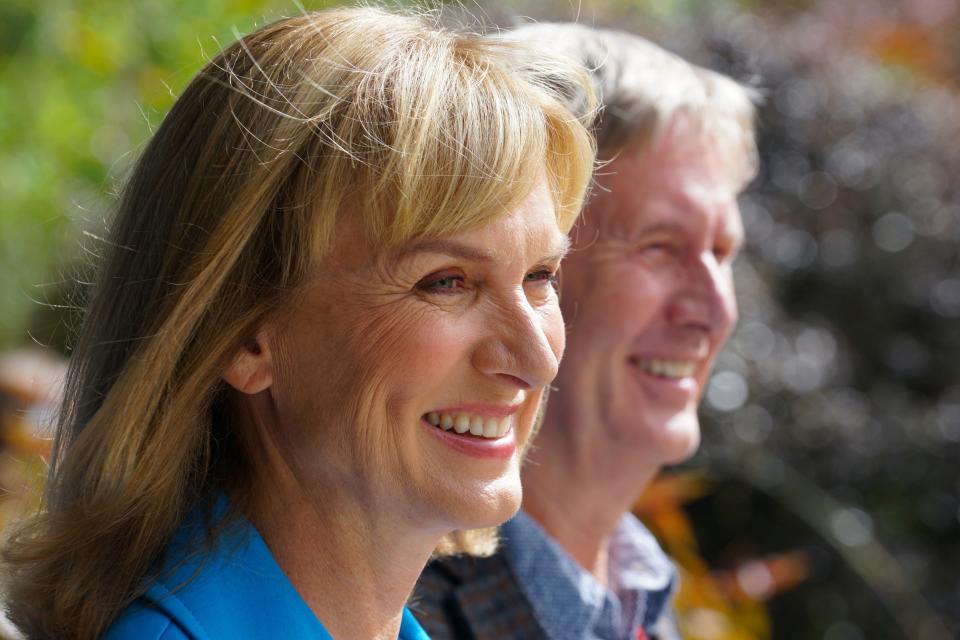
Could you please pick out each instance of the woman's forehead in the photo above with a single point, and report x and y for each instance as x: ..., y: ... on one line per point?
x: 532, y: 227
x: 531, y: 223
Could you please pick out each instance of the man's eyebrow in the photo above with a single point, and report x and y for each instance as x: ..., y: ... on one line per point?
x: 628, y: 230
x: 732, y: 231
x: 664, y: 226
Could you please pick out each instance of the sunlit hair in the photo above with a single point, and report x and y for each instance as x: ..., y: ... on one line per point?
x: 414, y: 129
x: 643, y: 89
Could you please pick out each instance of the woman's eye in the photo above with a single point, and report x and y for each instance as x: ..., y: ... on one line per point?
x: 442, y: 283
x: 542, y: 276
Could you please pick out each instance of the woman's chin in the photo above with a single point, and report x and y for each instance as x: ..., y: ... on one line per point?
x: 491, y: 506
x: 504, y: 510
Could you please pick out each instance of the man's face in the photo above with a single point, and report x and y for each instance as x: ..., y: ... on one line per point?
x: 647, y: 294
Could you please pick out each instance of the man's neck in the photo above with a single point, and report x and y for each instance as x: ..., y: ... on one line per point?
x: 580, y: 496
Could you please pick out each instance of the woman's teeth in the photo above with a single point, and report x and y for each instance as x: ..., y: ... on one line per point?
x: 463, y: 423
x: 666, y: 368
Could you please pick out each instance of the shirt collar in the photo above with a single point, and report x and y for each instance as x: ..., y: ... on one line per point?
x: 410, y: 629
x: 641, y: 571
x: 569, y: 602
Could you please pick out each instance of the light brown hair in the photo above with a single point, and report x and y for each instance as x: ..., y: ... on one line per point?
x: 643, y: 88
x: 417, y: 129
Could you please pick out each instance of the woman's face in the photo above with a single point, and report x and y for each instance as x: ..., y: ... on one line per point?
x: 411, y: 378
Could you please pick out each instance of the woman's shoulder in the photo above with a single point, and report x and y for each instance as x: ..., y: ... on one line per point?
x: 213, y: 588
x: 140, y: 622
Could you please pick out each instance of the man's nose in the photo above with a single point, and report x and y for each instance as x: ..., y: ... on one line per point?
x: 705, y: 296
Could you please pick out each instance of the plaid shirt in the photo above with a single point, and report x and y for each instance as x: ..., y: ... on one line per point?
x: 531, y: 589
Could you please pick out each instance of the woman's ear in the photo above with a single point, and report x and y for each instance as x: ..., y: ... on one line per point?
x: 252, y: 369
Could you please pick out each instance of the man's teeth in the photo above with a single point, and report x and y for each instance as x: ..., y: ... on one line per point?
x: 469, y: 423
x: 667, y: 368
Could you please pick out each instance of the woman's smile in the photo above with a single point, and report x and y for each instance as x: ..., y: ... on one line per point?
x: 469, y: 424
x: 485, y: 421
x: 477, y: 430
x: 503, y: 444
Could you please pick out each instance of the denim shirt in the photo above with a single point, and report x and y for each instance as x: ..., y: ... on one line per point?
x: 234, y: 591
x: 570, y: 604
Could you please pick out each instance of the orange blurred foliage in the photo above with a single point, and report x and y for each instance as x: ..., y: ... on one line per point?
x: 712, y: 604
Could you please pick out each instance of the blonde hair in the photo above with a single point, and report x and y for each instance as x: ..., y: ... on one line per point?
x: 417, y: 130
x: 643, y: 89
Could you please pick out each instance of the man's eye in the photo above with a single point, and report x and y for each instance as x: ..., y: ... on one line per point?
x: 658, y: 246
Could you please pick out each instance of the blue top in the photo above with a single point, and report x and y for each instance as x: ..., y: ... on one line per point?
x: 569, y: 602
x: 236, y: 591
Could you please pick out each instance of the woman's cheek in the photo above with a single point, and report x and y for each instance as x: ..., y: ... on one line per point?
x: 426, y: 350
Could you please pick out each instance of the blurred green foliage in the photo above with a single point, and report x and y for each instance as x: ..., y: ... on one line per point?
x: 81, y: 86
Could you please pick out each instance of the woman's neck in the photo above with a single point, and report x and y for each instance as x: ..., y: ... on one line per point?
x: 354, y: 567
x: 354, y: 559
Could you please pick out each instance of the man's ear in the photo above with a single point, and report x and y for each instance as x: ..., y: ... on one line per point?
x: 252, y: 368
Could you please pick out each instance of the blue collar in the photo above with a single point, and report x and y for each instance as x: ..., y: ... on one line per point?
x: 237, y: 589
x: 568, y: 602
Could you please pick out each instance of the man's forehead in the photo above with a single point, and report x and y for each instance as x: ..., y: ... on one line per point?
x: 640, y: 189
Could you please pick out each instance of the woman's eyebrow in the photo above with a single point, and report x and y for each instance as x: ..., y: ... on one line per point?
x: 561, y: 250
x: 463, y: 251
x: 446, y: 247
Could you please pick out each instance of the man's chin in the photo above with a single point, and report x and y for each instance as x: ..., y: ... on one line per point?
x: 680, y: 455
x: 678, y: 440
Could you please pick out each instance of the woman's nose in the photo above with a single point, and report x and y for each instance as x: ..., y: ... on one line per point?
x: 522, y: 345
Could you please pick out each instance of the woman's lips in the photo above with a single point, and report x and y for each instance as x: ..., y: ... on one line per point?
x: 485, y: 410
x: 469, y: 423
x: 476, y: 429
x: 475, y: 434
x: 477, y: 446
